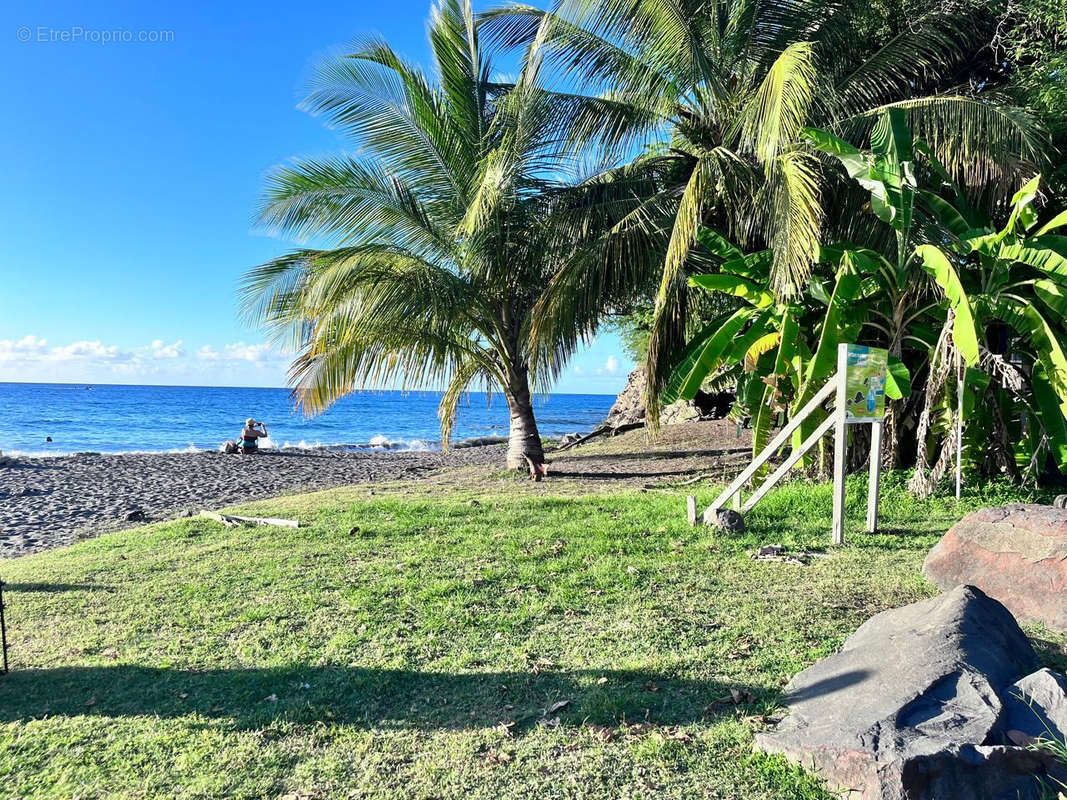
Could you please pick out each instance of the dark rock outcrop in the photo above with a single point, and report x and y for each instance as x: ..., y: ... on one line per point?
x: 912, y: 705
x: 1016, y: 554
x: 629, y: 406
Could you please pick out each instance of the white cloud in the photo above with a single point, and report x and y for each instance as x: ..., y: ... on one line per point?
x: 611, y: 366
x: 33, y: 352
x: 31, y: 349
x: 166, y: 351
x: 28, y: 347
x: 32, y: 358
x: 239, y: 351
x: 250, y: 352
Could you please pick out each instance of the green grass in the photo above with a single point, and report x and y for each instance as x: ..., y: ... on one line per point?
x: 414, y: 647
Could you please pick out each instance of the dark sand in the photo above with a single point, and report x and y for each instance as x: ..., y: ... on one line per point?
x: 50, y: 502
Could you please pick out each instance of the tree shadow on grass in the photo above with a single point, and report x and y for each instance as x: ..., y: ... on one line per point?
x: 56, y: 588
x: 253, y: 698
x: 651, y: 455
x: 621, y: 474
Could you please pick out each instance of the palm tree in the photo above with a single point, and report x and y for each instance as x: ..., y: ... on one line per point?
x: 437, y: 248
x: 726, y: 88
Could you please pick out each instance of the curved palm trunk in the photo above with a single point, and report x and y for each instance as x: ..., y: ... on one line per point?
x: 524, y: 440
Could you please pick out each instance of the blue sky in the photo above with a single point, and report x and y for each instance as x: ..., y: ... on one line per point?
x: 132, y: 171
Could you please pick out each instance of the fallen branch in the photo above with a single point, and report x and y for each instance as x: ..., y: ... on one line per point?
x: 697, y: 479
x: 597, y: 432
x: 629, y: 426
x: 233, y: 519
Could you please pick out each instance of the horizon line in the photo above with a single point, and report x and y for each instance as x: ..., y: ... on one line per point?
x: 90, y: 384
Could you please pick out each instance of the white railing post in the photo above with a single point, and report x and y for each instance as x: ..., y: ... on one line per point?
x: 773, y: 447
x: 837, y: 532
x: 874, y: 476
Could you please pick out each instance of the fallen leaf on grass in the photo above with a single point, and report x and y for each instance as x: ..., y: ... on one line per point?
x: 601, y: 681
x: 603, y: 733
x: 91, y: 701
x: 741, y: 696
x: 494, y: 759
x: 541, y: 665
x: 552, y: 709
x: 505, y: 729
x: 271, y: 699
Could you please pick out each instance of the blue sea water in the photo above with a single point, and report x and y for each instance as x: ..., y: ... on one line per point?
x: 116, y: 419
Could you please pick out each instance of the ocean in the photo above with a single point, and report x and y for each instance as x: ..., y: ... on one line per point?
x: 109, y: 418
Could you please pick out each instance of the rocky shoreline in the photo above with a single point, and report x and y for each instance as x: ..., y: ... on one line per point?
x: 51, y: 502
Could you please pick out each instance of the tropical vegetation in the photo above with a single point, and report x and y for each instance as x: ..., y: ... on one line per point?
x: 955, y: 297
x: 717, y: 96
x: 648, y: 151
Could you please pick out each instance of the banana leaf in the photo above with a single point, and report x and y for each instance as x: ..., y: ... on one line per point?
x: 1050, y: 415
x: 739, y: 287
x: 964, y: 333
x: 706, y: 353
x: 897, y: 379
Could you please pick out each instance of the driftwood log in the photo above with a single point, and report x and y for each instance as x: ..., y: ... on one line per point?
x: 233, y: 519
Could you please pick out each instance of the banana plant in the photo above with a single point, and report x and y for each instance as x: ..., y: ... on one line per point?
x: 1008, y: 289
x: 1002, y: 297
x: 896, y: 305
x: 786, y: 350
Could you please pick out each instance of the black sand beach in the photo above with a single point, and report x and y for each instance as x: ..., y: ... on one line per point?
x: 50, y: 502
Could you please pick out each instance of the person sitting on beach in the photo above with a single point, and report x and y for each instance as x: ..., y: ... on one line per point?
x: 251, y: 434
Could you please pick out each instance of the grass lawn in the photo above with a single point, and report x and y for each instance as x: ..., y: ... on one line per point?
x: 476, y: 645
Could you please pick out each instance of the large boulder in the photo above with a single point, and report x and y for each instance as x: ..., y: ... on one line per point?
x: 1015, y: 553
x: 912, y: 704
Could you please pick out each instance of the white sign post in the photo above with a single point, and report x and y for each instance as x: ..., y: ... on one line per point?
x: 859, y: 391
x: 861, y: 375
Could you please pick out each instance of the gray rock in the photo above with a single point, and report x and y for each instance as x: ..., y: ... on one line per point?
x: 728, y: 521
x: 983, y: 773
x: 678, y: 412
x: 910, y: 683
x: 1037, y: 706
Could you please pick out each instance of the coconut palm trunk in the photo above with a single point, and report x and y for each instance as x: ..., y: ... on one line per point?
x: 524, y: 440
